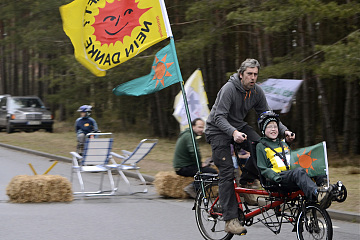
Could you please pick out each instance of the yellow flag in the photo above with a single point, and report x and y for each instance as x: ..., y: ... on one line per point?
x: 106, y: 33
x: 196, y: 98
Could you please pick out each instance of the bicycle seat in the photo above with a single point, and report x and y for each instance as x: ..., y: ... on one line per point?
x: 206, y: 176
x: 277, y: 187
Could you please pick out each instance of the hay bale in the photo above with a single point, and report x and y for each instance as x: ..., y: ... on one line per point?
x: 39, y: 188
x: 169, y: 184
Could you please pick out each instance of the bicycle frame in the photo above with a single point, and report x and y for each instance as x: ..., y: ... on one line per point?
x: 307, y: 217
x: 259, y: 210
x: 276, y: 199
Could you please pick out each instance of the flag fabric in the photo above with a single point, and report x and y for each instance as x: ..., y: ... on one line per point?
x: 196, y: 98
x: 106, y: 33
x: 313, y: 159
x: 280, y: 93
x: 163, y: 74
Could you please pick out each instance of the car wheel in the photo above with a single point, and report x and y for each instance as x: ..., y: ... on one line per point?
x: 50, y: 130
x: 9, y: 129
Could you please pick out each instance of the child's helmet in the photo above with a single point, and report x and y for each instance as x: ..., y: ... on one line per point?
x: 85, y: 108
x: 265, y: 118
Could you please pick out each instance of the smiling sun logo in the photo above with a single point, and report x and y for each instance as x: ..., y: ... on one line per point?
x: 117, y: 20
x: 160, y: 69
x: 305, y: 160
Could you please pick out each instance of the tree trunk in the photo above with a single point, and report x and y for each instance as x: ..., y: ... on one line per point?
x: 159, y: 113
x: 355, y: 139
x: 3, y: 88
x: 347, y: 119
x: 25, y: 72
x: 331, y: 136
x: 305, y: 89
x: 267, y: 50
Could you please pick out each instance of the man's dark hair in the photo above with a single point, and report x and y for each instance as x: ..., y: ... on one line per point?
x: 193, y: 123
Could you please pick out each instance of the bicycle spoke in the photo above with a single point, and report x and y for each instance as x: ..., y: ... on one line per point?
x: 314, y: 223
x: 209, y: 219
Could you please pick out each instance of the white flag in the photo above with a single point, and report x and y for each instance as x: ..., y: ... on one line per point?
x: 197, y: 101
x: 280, y: 93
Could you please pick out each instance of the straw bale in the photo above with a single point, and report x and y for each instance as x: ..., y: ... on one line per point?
x: 169, y: 184
x: 39, y: 188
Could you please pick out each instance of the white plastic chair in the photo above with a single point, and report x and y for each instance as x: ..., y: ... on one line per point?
x: 94, y: 159
x: 130, y: 160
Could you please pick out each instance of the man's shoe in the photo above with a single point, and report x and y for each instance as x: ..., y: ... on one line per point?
x: 233, y: 226
x: 323, y: 197
x: 190, y: 190
x: 250, y: 199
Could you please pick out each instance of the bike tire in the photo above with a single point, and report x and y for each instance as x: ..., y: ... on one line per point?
x: 314, y: 223
x: 211, y: 226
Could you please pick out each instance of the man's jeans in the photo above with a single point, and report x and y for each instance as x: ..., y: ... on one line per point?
x: 221, y: 154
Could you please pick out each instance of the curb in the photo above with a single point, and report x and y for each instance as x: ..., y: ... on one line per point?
x: 334, y: 214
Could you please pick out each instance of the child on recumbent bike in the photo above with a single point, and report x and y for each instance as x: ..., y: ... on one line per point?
x: 273, y: 161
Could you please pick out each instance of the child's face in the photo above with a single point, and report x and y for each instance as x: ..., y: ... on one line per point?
x: 271, y: 130
x: 82, y: 114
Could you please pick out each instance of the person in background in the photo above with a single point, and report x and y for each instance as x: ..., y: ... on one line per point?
x: 240, y: 157
x: 184, y: 161
x: 84, y: 125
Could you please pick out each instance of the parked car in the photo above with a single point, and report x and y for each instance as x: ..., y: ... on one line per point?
x: 26, y: 113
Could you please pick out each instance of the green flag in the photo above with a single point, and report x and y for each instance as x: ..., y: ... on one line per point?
x: 163, y: 74
x: 313, y: 159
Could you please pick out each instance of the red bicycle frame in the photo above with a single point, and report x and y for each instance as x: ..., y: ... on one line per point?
x: 261, y: 209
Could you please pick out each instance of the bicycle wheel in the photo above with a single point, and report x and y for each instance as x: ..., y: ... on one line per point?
x: 314, y: 223
x: 209, y: 219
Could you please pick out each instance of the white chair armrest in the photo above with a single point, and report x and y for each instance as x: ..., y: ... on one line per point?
x: 76, y: 156
x: 117, y: 155
x: 127, y: 153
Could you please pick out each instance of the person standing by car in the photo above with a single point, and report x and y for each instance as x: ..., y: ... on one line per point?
x: 84, y: 125
x: 226, y: 125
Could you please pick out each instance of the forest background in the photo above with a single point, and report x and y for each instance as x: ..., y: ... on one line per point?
x: 314, y: 40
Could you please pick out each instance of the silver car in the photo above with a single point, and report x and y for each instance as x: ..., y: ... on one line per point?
x: 24, y: 113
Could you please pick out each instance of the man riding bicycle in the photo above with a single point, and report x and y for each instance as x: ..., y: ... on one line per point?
x: 226, y: 125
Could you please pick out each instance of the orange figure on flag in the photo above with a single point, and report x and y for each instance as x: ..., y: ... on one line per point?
x: 106, y: 33
x: 161, y: 70
x: 305, y: 161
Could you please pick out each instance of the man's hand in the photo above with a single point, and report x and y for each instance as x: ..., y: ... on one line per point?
x: 239, y: 137
x: 289, y: 136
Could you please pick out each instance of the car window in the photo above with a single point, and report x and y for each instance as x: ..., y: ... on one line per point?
x: 25, y: 103
x: 2, y: 101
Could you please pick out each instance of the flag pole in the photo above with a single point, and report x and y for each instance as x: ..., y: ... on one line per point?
x: 185, y: 102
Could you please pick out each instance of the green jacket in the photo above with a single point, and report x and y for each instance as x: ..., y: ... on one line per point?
x: 184, y: 151
x: 271, y: 165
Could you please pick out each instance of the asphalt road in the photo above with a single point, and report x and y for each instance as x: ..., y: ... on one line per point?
x: 139, y: 216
